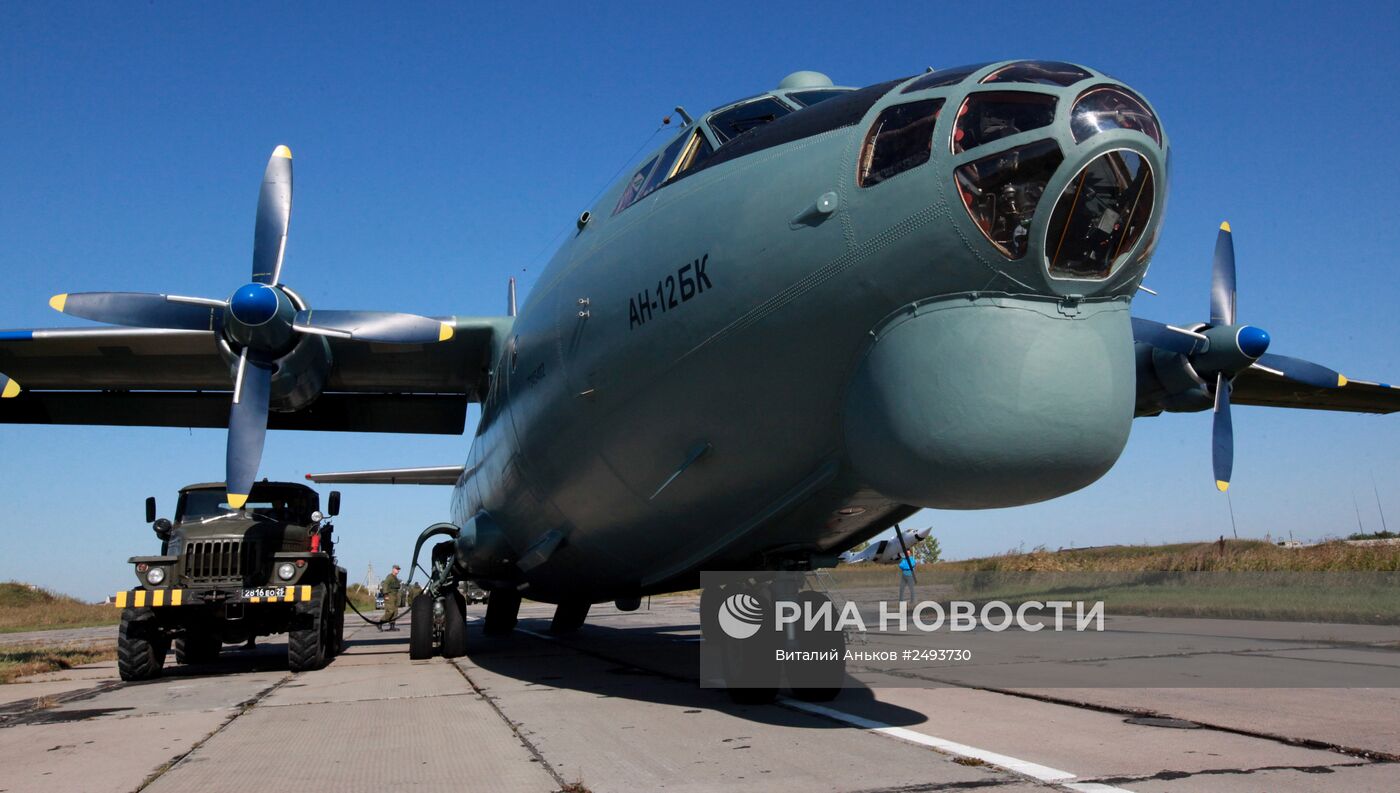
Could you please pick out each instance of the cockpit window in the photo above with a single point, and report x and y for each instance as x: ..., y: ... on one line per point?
x: 942, y: 78
x: 730, y: 124
x: 634, y: 187
x: 1001, y: 192
x: 1099, y: 216
x: 809, y: 98
x: 1104, y: 108
x: 900, y: 139
x: 989, y: 116
x: 1042, y: 72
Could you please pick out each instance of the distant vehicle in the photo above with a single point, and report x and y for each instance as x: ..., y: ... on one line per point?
x: 379, y: 600
x: 474, y: 593
x: 226, y: 575
x: 887, y: 550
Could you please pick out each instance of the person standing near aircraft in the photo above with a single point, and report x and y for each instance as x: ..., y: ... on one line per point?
x: 906, y: 575
x: 390, y: 586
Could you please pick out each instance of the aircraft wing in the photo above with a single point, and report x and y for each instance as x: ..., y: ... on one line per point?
x: 177, y: 378
x: 437, y: 475
x: 1260, y: 387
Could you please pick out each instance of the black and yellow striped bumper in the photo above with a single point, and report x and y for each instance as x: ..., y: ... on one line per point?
x: 158, y: 598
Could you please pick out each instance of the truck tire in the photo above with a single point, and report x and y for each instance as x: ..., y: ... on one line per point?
x: 454, y: 626
x: 197, y: 648
x: 140, y: 649
x: 420, y: 628
x: 306, y: 641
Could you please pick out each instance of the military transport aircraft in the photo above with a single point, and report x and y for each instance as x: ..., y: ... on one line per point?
x: 888, y: 550
x: 809, y: 314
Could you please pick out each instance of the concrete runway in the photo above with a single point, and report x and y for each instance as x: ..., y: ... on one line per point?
x: 616, y: 707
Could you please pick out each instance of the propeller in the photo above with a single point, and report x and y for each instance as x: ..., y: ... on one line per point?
x: 8, y: 388
x: 1224, y: 348
x: 259, y: 321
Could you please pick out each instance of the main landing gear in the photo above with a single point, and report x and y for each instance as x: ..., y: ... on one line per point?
x: 752, y: 671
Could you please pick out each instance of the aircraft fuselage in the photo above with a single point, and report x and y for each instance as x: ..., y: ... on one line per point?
x: 772, y: 358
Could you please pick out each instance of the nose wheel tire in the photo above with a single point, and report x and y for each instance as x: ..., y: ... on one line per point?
x: 454, y: 626
x: 420, y: 628
x: 141, y: 649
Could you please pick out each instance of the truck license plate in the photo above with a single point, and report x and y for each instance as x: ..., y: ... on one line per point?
x: 268, y: 592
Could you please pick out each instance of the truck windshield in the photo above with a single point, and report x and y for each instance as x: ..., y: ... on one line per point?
x: 206, y: 504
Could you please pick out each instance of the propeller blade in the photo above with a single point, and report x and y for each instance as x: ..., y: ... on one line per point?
x: 1222, y: 279
x: 274, y: 214
x: 1302, y: 371
x: 142, y: 309
x: 379, y: 326
x: 1223, y: 435
x: 1166, y: 337
x: 247, y: 429
x: 8, y: 388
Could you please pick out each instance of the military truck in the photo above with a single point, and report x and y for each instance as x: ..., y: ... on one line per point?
x: 225, y: 576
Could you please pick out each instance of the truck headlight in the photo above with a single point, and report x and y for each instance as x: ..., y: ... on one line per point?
x: 286, y: 570
x: 155, y: 576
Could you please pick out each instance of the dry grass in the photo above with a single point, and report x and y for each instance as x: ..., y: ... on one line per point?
x: 26, y: 608
x: 18, y: 662
x: 1333, y: 582
x: 1233, y: 556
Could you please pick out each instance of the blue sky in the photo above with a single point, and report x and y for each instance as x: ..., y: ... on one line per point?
x: 441, y: 150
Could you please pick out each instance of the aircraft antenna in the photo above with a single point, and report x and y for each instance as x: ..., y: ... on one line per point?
x: 1379, y: 508
x: 1231, y: 503
x: 510, y: 299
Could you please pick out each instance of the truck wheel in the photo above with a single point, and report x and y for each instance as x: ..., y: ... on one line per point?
x: 420, y: 628
x: 197, y: 648
x: 454, y: 626
x: 140, y: 648
x: 306, y: 641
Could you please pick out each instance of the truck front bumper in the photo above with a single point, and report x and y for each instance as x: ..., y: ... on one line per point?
x: 170, y: 596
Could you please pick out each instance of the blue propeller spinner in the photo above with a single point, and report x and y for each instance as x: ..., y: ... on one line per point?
x: 259, y: 322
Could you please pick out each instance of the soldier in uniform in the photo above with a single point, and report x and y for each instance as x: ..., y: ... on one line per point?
x: 391, y: 588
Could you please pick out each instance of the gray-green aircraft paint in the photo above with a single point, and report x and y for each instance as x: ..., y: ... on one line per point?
x: 810, y: 314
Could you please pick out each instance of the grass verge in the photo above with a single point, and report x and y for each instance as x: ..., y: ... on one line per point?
x: 29, y: 608
x: 16, y: 662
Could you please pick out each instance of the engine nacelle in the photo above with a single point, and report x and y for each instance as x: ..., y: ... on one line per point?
x: 1166, y: 381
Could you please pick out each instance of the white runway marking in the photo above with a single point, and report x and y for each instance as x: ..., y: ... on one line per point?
x: 1042, y: 773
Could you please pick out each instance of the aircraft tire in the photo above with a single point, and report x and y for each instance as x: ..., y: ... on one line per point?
x: 502, y: 612
x: 420, y: 628
x: 818, y: 681
x: 756, y: 658
x: 568, y: 617
x: 140, y: 649
x: 454, y: 626
x: 196, y: 648
x: 307, y: 641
